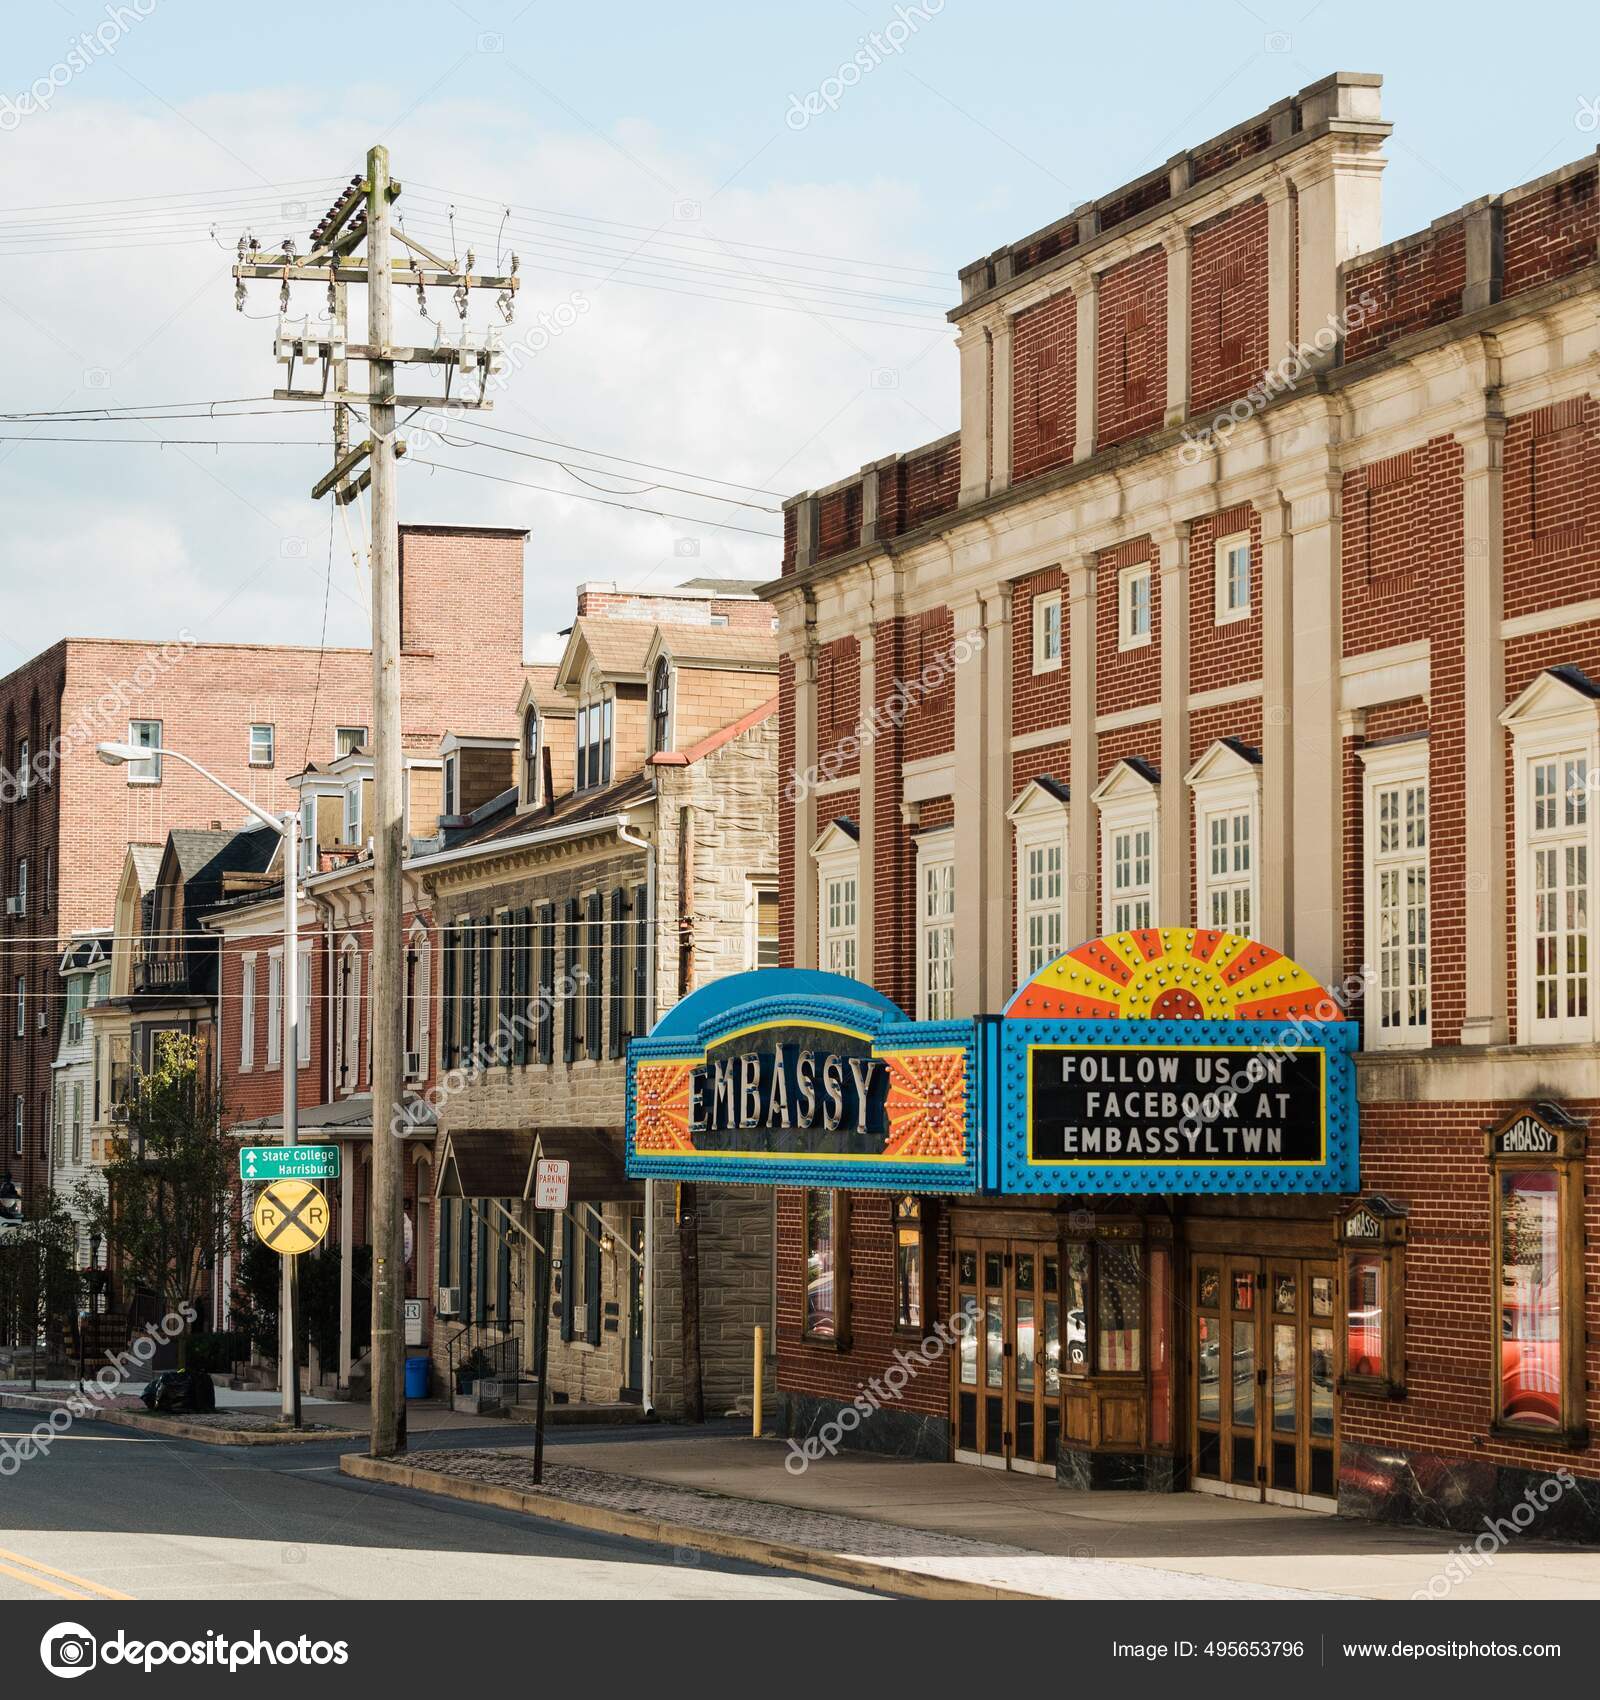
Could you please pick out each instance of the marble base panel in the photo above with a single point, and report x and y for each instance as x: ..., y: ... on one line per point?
x: 889, y: 1432
x: 1473, y: 1496
x: 1130, y: 1472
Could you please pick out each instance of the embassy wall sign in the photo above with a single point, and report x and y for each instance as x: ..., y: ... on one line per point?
x: 788, y: 1077
x: 1174, y: 1060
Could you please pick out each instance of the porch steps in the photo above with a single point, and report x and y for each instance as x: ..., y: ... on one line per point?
x: 565, y: 1412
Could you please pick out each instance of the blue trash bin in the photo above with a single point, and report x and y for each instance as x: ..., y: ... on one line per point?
x: 419, y: 1373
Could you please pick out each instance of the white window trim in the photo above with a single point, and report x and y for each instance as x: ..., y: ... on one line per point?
x: 275, y: 1007
x: 303, y: 1034
x: 338, y: 734
x: 1127, y: 801
x: 1226, y: 616
x: 272, y: 743
x: 1127, y: 638
x: 134, y: 777
x: 1386, y: 766
x: 755, y: 887
x: 1225, y: 783
x: 935, y: 850
x: 247, y: 1012
x: 420, y: 992
x: 347, y: 1025
x: 1550, y: 717
x: 1042, y: 662
x: 836, y: 856
x: 1038, y: 821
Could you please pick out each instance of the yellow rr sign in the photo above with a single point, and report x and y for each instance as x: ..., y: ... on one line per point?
x: 290, y: 1217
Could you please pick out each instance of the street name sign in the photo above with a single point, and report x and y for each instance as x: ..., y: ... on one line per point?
x: 289, y: 1162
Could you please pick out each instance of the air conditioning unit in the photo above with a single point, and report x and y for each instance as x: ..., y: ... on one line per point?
x: 449, y: 1302
x: 44, y: 1021
x: 119, y: 1114
x: 16, y: 906
x: 413, y: 1065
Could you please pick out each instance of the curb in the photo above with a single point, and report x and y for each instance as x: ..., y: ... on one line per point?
x: 177, y: 1429
x: 775, y: 1555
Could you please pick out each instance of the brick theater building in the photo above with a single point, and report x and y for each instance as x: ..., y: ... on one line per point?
x: 252, y: 714
x: 1254, y: 609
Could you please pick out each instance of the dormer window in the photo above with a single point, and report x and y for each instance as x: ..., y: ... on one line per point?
x: 594, y: 743
x: 452, y: 784
x: 530, y: 756
x: 660, y: 706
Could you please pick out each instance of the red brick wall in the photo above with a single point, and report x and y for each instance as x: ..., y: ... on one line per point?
x: 1415, y: 285
x: 1550, y: 233
x: 1552, y: 506
x: 1401, y: 542
x: 1044, y: 379
x: 1125, y: 678
x: 1216, y: 157
x: 1131, y: 349
x: 839, y: 521
x: 1227, y: 306
x: 839, y: 705
x: 258, y: 1091
x: 1228, y: 654
x: 928, y: 668
x: 821, y: 1368
x: 1038, y: 700
x: 893, y: 966
x: 1430, y: 1157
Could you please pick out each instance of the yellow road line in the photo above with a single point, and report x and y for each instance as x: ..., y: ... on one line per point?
x: 79, y: 1582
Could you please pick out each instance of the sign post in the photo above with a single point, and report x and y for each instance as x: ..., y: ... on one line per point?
x: 551, y: 1182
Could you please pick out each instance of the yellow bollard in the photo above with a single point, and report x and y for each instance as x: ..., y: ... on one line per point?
x: 755, y: 1414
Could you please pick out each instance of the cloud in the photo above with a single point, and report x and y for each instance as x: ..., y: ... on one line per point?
x: 107, y: 305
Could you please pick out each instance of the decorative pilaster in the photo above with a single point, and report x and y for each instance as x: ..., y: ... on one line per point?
x: 1082, y: 901
x: 1277, y: 744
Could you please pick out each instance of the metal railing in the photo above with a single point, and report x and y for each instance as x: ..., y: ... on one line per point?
x: 480, y: 1351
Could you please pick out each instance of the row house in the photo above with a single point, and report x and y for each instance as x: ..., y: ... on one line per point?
x: 1251, y: 619
x: 253, y: 715
x: 631, y: 858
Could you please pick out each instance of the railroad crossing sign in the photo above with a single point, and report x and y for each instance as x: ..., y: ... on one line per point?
x: 288, y: 1162
x: 290, y: 1217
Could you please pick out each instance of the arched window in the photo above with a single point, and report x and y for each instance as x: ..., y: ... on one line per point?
x: 530, y: 756
x: 660, y: 705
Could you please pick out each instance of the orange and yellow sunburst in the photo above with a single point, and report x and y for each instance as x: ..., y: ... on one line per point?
x: 927, y: 1105
x: 1173, y: 974
x: 661, y: 1107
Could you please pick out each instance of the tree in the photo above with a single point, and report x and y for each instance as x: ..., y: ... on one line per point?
x: 39, y: 1279
x: 166, y: 1209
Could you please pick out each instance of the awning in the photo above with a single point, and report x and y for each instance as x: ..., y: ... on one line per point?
x: 348, y: 1118
x: 499, y: 1162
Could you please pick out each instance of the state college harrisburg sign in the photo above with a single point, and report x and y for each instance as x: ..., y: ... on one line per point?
x: 1176, y: 1060
x: 793, y: 1078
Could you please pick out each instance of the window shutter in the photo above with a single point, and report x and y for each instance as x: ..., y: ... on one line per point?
x: 486, y: 1012
x: 594, y: 991
x: 480, y: 1309
x: 618, y: 999
x: 591, y: 1280
x: 641, y: 960
x: 569, y: 999
x: 467, y: 1038
x: 502, y: 1285
x: 446, y: 1222
x: 424, y: 996
x: 547, y: 982
x: 564, y: 1279
x: 464, y: 1255
x: 517, y: 1015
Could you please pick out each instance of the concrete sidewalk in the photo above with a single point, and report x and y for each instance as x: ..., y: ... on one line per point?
x: 1024, y: 1533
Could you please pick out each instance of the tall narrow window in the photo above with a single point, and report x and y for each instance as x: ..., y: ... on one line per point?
x: 909, y: 1264
x: 827, y: 1275
x: 661, y: 705
x: 572, y: 967
x: 1047, y: 632
x: 1041, y: 877
x: 1128, y: 800
x: 641, y: 959
x: 247, y: 1012
x: 262, y: 744
x: 1134, y: 606
x: 1398, y: 929
x: 617, y: 991
x: 837, y: 855
x: 761, y: 915
x: 546, y: 1015
x: 275, y: 1009
x: 1233, y: 579
x: 936, y: 927
x: 595, y: 966
x: 1132, y: 851
x: 530, y: 756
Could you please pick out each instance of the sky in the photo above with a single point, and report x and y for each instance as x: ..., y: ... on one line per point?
x: 735, y: 265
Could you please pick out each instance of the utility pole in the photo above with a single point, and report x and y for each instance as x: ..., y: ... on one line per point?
x: 362, y: 215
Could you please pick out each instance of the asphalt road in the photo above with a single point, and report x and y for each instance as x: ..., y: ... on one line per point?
x: 114, y: 1514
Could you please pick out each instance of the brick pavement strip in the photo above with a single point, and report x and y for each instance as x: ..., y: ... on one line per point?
x: 835, y: 1547
x: 220, y: 1428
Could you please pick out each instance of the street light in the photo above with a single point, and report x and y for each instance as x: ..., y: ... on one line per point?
x: 287, y: 828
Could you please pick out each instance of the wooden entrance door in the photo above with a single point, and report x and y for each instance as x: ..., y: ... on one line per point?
x: 1262, y: 1374
x: 1006, y: 1380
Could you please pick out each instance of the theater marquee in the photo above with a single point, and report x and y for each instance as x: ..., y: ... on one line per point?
x: 792, y: 1078
x: 1174, y: 1060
